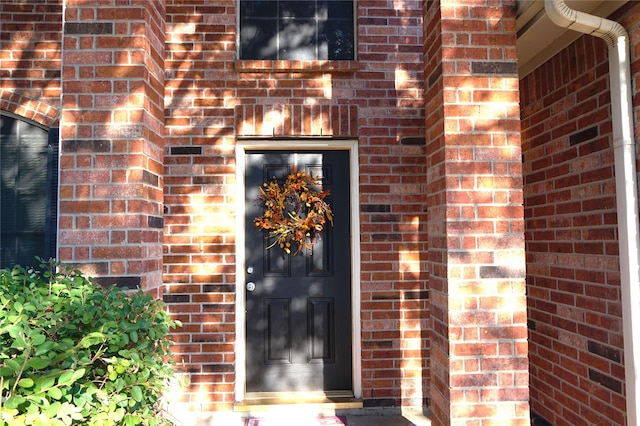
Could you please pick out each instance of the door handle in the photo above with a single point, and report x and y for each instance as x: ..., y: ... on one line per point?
x: 251, y: 286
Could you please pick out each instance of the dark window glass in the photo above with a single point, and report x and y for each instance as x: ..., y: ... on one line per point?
x: 258, y: 8
x: 259, y: 39
x: 26, y: 180
x: 338, y: 37
x: 301, y: 29
x: 298, y: 9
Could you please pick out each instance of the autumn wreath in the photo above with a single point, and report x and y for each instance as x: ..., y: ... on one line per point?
x: 294, y: 212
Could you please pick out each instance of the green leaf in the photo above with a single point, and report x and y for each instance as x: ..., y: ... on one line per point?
x: 29, y: 307
x: 119, y: 384
x: 14, y: 401
x: 9, y: 412
x: 26, y: 383
x: 19, y: 342
x: 65, y: 377
x: 44, y: 347
x: 92, y: 339
x: 130, y: 420
x: 38, y: 363
x: 136, y: 393
x: 13, y: 364
x: 135, y: 357
x: 53, y: 410
x: 77, y: 374
x: 54, y: 393
x: 12, y: 329
x: 6, y: 372
x: 45, y: 383
x: 38, y: 339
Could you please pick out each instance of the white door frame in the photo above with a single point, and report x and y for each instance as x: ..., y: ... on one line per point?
x: 244, y: 145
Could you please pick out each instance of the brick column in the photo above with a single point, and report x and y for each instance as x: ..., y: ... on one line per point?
x: 112, y: 140
x: 479, y: 365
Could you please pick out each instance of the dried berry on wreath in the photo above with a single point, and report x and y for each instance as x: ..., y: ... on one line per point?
x: 294, y: 213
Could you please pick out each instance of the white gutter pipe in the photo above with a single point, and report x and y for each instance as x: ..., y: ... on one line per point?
x: 626, y: 181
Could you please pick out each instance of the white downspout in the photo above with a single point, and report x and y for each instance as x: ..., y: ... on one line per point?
x: 626, y: 180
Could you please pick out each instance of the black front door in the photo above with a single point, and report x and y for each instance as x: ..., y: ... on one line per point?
x: 298, y: 316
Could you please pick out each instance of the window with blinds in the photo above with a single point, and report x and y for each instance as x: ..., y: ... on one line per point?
x: 28, y: 192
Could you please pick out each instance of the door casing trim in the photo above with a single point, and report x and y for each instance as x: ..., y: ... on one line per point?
x: 242, y: 146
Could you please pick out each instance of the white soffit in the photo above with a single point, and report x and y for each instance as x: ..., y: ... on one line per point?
x: 539, y: 39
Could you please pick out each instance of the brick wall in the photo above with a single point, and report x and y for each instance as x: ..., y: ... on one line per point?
x: 111, y: 178
x: 211, y: 98
x: 476, y: 219
x: 573, y: 280
x: 30, y: 42
x: 434, y: 130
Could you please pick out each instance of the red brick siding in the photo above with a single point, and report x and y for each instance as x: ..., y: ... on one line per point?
x: 211, y: 98
x: 388, y: 91
x: 199, y: 243
x: 30, y: 42
x: 111, y: 134
x: 476, y: 219
x: 434, y: 130
x: 573, y: 280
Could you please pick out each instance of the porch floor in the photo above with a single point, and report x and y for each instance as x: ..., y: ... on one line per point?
x: 291, y: 416
x: 408, y: 418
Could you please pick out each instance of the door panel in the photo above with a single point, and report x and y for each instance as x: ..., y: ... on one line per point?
x: 321, y: 335
x: 278, y: 337
x: 298, y: 318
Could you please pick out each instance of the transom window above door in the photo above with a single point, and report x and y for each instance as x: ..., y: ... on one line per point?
x: 297, y: 30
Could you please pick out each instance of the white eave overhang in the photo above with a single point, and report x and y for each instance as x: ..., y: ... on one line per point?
x: 539, y: 39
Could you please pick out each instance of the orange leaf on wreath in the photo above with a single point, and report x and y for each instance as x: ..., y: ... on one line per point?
x: 295, y: 213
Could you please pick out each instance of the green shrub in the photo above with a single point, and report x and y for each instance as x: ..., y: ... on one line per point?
x: 73, y: 352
